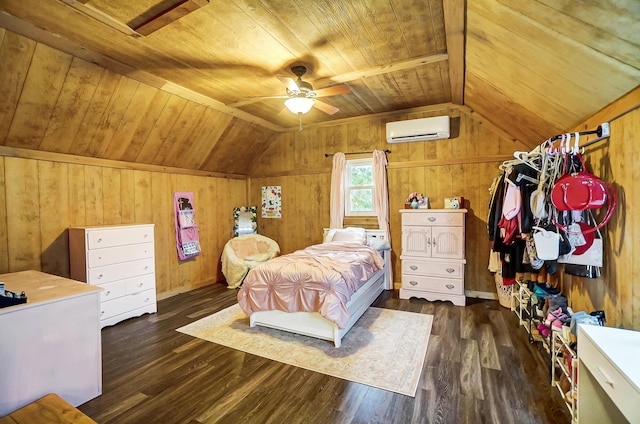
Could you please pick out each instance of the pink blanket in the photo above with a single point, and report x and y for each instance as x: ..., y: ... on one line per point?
x: 320, y: 278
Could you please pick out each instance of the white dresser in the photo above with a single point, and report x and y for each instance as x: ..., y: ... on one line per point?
x: 52, y: 343
x: 608, y: 375
x: 433, y: 255
x: 121, y: 260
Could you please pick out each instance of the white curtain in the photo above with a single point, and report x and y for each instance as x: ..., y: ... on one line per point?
x: 337, y: 191
x: 382, y: 203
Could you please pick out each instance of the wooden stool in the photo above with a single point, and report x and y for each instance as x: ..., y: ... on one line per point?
x: 46, y: 410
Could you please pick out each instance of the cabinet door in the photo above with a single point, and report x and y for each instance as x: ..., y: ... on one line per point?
x: 447, y: 242
x: 416, y: 241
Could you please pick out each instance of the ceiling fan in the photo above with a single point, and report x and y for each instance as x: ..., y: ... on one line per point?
x: 301, y: 96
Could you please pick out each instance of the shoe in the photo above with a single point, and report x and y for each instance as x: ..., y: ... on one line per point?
x: 544, y: 331
x: 602, y: 319
x: 552, y: 316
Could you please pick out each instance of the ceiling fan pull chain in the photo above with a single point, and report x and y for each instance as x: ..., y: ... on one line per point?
x: 300, y: 121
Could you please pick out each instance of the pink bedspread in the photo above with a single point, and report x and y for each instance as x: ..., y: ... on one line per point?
x: 320, y: 278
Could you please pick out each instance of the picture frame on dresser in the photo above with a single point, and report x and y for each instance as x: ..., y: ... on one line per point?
x: 433, y: 254
x: 121, y: 260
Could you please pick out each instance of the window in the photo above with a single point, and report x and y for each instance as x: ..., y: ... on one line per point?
x: 359, y: 188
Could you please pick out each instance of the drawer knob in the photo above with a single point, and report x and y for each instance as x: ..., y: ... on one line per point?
x: 413, y: 267
x: 145, y: 236
x: 413, y: 283
x: 450, y: 286
x: 99, y: 276
x: 101, y: 312
x: 108, y: 293
x: 451, y: 270
x: 99, y: 240
x: 605, y: 377
x: 431, y: 218
x: 140, y: 284
x: 146, y: 268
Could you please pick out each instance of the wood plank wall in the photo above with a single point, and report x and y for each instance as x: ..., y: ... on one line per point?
x: 616, y: 160
x: 56, y: 102
x: 464, y: 166
x: 43, y: 198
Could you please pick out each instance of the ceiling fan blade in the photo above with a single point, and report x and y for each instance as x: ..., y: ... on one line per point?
x: 290, y: 83
x: 333, y: 90
x: 325, y: 107
x: 254, y: 99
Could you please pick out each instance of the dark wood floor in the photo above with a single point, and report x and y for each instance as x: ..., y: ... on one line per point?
x: 480, y: 368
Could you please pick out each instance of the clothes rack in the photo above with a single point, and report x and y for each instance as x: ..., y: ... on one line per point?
x: 603, y: 132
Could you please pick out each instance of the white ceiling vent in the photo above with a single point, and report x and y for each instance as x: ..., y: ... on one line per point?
x: 435, y: 128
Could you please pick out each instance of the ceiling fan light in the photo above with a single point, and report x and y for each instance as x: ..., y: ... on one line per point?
x: 299, y: 104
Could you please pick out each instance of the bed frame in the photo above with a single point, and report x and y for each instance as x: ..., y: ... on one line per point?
x: 315, y: 325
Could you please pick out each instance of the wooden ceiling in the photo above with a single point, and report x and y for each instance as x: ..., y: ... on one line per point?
x: 533, y: 68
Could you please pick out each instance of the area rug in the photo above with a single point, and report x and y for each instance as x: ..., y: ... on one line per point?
x: 384, y: 349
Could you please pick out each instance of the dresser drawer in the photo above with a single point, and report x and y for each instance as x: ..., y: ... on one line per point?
x: 449, y: 219
x: 105, y: 274
x: 614, y: 383
x: 141, y: 283
x: 433, y: 284
x: 127, y: 303
x: 118, y: 254
x: 436, y: 269
x: 119, y: 236
x: 112, y: 290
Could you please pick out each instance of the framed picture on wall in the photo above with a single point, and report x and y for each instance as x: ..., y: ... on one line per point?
x: 271, y: 202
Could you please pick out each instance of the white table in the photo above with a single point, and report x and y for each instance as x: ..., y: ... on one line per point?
x: 608, y: 375
x: 52, y: 343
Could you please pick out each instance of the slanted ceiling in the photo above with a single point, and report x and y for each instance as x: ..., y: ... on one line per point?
x: 169, y: 83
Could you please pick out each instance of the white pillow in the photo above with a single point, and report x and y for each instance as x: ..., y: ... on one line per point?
x: 379, y: 244
x: 352, y: 234
x: 329, y: 236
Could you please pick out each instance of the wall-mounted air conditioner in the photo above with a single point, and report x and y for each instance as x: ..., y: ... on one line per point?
x: 435, y: 128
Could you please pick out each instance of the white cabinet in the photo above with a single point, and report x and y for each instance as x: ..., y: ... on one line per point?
x: 608, y: 375
x: 433, y: 255
x: 121, y: 260
x: 52, y: 343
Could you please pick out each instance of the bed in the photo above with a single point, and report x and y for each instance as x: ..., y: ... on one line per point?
x: 320, y: 309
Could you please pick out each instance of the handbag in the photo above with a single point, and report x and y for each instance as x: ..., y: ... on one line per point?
x: 547, y: 244
x: 591, y: 256
x: 578, y: 191
x: 581, y: 191
x: 586, y: 271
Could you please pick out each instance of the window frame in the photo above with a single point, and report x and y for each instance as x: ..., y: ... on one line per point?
x: 348, y: 187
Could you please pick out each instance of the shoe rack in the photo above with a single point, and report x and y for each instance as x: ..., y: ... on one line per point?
x: 563, y: 359
x: 564, y: 372
x: 523, y: 304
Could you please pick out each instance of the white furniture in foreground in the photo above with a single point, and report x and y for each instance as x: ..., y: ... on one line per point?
x: 120, y: 259
x: 433, y: 254
x: 52, y: 343
x: 608, y: 375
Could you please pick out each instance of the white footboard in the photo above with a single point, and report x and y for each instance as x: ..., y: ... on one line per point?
x: 313, y: 324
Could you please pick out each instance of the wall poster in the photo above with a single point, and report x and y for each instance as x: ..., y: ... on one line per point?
x: 271, y: 202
